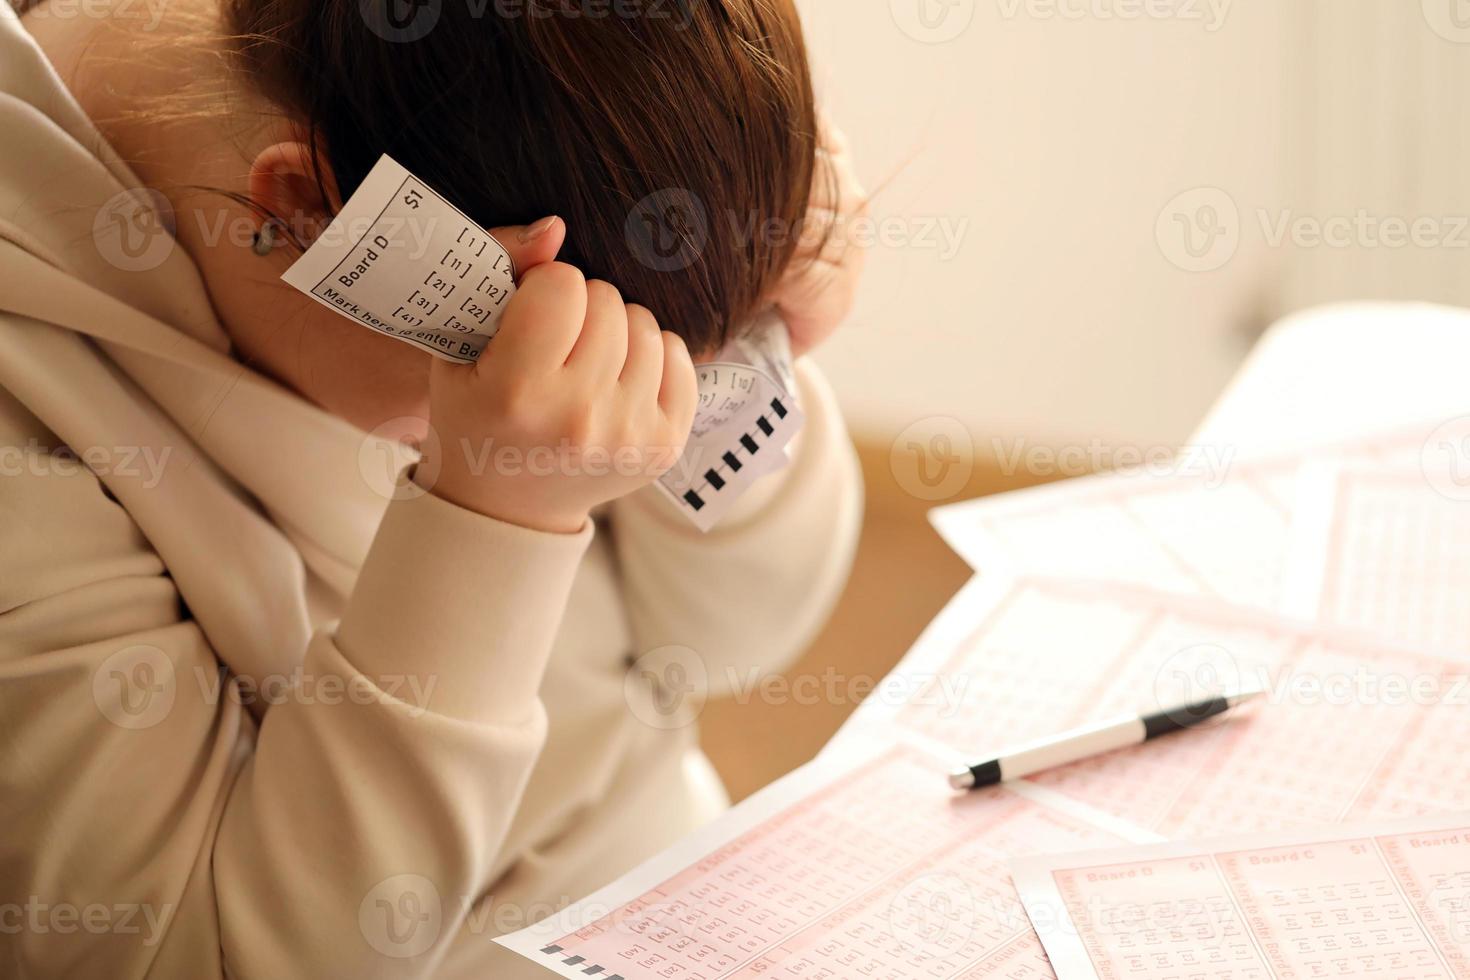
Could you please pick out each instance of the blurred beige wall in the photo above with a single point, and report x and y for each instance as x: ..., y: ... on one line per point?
x: 1296, y: 141
x: 1066, y: 147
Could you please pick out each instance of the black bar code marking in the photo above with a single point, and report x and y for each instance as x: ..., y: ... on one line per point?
x: 765, y: 426
x: 733, y: 461
x: 715, y: 480
x: 548, y: 950
x: 778, y: 408
x: 749, y: 444
x: 574, y: 960
x: 694, y: 500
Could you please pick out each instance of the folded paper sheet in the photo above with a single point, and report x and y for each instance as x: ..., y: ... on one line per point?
x: 747, y: 416
x: 402, y: 261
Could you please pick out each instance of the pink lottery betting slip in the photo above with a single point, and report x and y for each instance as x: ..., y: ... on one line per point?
x: 865, y: 865
x: 1352, y: 727
x: 1375, y: 902
x: 1203, y: 523
x: 1385, y: 549
x: 877, y: 871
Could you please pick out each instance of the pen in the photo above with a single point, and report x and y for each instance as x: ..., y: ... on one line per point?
x: 1083, y: 743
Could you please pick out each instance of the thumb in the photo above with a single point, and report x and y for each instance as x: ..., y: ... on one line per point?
x: 534, y: 244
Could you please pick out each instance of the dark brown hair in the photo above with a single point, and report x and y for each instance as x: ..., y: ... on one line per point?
x: 677, y: 138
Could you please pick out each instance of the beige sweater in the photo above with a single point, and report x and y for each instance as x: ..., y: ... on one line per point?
x: 459, y: 753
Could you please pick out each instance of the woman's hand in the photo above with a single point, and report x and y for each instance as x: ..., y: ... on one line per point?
x: 819, y: 291
x: 579, y: 399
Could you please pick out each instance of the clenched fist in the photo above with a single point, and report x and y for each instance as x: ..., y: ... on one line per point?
x: 580, y: 399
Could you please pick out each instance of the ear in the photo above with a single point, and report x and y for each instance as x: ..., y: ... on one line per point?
x: 284, y: 182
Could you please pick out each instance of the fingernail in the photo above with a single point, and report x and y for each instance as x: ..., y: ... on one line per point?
x: 532, y: 232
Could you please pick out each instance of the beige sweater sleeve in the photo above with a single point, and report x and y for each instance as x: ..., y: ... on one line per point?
x: 379, y: 821
x: 365, y: 820
x: 750, y: 595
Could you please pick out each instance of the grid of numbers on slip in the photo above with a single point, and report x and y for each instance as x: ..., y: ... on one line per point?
x: 463, y: 281
x: 1433, y: 869
x: 1165, y: 919
x: 775, y: 897
x: 1310, y: 761
x: 1317, y: 761
x: 1184, y: 534
x: 955, y: 914
x: 1418, y: 775
x: 1078, y: 638
x: 475, y: 262
x: 1337, y: 909
x: 1398, y: 555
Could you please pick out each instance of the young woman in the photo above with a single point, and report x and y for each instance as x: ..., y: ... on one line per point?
x: 257, y: 720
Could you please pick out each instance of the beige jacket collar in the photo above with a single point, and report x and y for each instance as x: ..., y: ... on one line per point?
x: 259, y: 485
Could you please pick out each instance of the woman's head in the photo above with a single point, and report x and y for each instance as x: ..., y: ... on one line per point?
x: 677, y: 138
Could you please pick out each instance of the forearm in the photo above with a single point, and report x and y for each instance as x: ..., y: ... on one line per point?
x: 756, y: 589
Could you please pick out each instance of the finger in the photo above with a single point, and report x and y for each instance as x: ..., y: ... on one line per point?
x: 602, y: 349
x: 531, y: 245
x: 542, y: 321
x: 814, y: 304
x: 645, y: 363
x: 678, y: 392
x: 830, y: 137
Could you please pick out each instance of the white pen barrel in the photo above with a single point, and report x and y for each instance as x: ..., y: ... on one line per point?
x: 1072, y: 747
